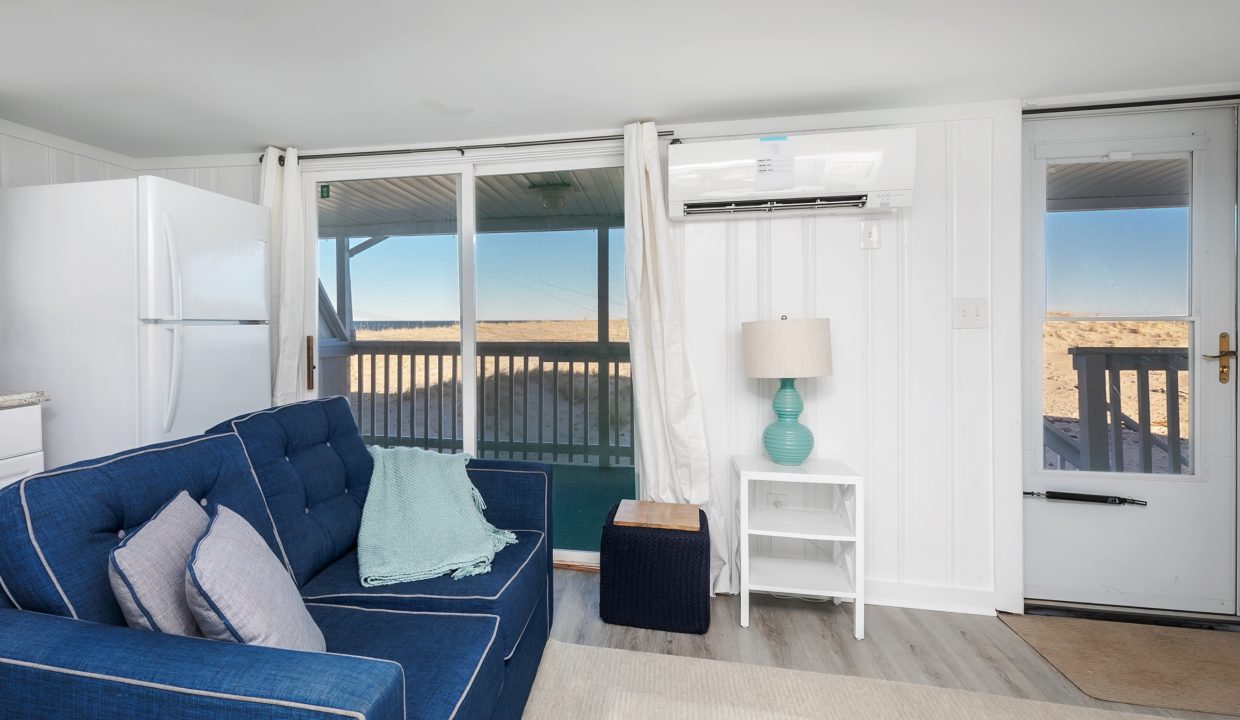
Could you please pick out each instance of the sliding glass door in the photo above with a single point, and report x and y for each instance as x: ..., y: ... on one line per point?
x: 487, y: 316
x: 390, y: 307
x: 552, y: 338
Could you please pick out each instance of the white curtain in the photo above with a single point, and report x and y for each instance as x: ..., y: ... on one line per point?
x: 281, y: 193
x: 673, y: 461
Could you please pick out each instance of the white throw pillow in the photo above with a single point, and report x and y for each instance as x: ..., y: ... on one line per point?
x: 147, y: 570
x: 238, y: 590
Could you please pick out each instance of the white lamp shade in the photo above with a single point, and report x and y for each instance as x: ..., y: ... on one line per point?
x: 787, y: 348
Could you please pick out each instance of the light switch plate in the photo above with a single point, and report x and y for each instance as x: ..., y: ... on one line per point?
x: 970, y: 313
x: 869, y: 235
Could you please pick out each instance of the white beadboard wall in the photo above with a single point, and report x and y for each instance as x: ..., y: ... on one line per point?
x: 32, y: 157
x: 233, y: 175
x: 914, y: 404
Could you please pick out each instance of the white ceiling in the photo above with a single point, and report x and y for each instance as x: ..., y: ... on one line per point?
x: 153, y: 77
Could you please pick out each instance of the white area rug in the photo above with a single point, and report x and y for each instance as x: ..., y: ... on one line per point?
x: 576, y: 681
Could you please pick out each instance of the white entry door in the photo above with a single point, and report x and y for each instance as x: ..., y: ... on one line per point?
x: 1130, y: 476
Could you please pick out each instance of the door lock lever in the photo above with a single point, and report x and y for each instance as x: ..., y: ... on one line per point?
x: 1224, y: 356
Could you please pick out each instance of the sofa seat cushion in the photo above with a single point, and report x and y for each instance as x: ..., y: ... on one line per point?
x: 517, y: 581
x: 314, y: 471
x: 453, y: 664
x: 57, y: 528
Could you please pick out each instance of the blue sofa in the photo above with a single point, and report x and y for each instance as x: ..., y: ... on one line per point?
x: 438, y: 648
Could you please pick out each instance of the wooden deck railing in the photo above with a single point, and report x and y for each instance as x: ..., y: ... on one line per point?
x: 561, y: 402
x: 1104, y: 419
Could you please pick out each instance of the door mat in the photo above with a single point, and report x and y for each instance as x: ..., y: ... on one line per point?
x: 1166, y: 667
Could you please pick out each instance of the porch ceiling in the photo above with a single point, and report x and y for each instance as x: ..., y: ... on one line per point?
x: 1118, y: 184
x: 427, y: 205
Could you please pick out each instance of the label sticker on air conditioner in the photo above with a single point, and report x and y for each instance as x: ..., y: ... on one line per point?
x: 774, y: 168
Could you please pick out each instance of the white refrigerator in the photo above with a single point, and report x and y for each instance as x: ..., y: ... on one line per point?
x: 139, y: 306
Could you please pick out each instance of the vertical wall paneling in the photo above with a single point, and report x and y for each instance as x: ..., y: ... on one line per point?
x: 117, y: 172
x: 62, y: 166
x: 24, y: 162
x: 911, y: 400
x: 89, y: 169
x: 235, y: 180
x: 973, y: 495
x: 32, y: 157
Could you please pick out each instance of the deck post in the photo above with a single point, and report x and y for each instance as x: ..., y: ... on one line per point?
x: 1175, y: 455
x: 1091, y: 383
x: 1144, y: 421
x: 344, y: 286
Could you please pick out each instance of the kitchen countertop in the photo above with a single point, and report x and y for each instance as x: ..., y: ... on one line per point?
x: 21, y: 399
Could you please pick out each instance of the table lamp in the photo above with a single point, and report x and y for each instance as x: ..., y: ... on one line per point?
x: 787, y: 349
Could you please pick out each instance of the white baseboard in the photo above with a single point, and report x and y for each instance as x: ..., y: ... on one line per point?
x: 930, y: 597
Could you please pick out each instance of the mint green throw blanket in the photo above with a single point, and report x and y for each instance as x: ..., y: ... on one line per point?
x: 423, y: 518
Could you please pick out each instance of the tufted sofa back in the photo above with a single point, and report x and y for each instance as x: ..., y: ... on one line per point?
x: 314, y: 471
x: 57, y: 527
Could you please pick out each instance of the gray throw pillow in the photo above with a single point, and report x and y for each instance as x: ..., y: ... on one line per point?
x: 147, y: 570
x: 238, y: 590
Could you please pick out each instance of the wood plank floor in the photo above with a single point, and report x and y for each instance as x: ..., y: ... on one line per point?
x: 969, y: 652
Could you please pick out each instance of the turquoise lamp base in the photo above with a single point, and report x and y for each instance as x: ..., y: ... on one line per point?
x: 786, y: 440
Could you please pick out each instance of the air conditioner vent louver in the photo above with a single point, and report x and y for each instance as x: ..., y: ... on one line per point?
x: 783, y: 204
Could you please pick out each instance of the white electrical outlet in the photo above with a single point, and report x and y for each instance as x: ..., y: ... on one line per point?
x: 776, y: 500
x: 970, y: 312
x: 869, y: 235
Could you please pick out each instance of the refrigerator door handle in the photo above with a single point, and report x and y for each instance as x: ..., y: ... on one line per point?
x: 174, y: 379
x: 174, y: 267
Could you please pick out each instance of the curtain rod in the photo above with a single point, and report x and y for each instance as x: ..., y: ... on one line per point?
x: 462, y: 148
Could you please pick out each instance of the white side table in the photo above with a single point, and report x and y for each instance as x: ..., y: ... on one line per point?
x: 840, y: 526
x: 21, y: 436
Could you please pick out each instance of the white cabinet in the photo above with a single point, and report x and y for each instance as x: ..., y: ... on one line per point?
x: 834, y: 567
x: 21, y: 441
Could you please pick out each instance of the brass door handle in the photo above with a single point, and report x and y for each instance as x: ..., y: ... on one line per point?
x: 1225, y: 354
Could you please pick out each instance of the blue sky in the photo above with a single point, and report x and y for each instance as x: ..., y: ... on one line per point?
x: 521, y: 276
x: 1098, y: 262
x: 1118, y: 262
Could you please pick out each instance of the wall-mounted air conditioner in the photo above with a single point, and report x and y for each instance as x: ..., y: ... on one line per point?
x: 794, y: 174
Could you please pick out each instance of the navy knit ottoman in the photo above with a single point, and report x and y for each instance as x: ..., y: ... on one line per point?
x: 654, y: 578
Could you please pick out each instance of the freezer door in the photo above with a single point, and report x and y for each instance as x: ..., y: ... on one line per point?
x: 202, y: 256
x: 194, y: 376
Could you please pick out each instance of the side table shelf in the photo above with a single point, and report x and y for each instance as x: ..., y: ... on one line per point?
x: 837, y: 531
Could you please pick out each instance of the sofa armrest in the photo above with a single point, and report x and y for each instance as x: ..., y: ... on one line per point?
x: 57, y: 667
x: 517, y: 493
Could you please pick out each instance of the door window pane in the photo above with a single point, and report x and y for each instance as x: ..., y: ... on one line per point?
x: 553, y: 364
x: 1117, y: 238
x: 1124, y: 379
x: 390, y: 330
x: 1116, y: 391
